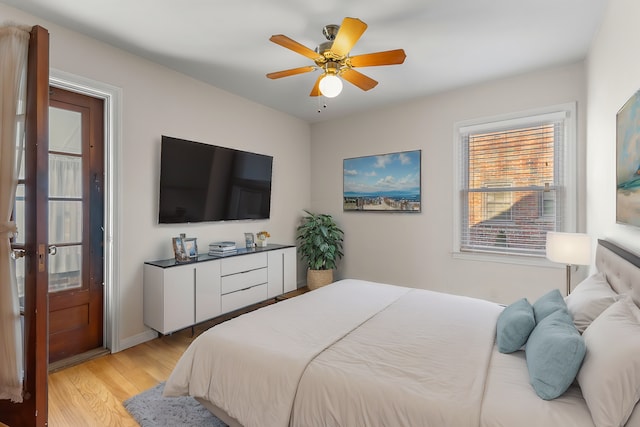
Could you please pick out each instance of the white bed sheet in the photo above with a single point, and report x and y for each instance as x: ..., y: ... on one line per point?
x: 400, y: 369
x: 510, y: 400
x: 250, y: 366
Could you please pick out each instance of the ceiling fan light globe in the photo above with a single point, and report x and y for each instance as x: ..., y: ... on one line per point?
x: 330, y: 86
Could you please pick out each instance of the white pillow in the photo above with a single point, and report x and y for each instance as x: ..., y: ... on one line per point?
x: 610, y: 373
x: 590, y: 298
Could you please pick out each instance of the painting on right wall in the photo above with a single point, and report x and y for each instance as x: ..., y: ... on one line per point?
x: 383, y: 183
x: 628, y: 162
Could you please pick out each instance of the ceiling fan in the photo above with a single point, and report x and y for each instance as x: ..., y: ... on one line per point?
x: 332, y: 57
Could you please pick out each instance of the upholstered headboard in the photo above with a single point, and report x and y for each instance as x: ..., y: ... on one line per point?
x: 621, y: 267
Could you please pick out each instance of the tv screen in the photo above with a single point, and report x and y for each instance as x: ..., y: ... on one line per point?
x: 201, y: 182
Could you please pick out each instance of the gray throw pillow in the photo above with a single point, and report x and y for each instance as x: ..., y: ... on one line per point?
x: 548, y: 304
x: 554, y: 354
x: 515, y: 323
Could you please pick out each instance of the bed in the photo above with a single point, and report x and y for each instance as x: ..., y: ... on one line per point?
x: 358, y: 353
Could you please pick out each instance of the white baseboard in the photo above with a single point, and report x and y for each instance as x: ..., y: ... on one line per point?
x: 135, y: 340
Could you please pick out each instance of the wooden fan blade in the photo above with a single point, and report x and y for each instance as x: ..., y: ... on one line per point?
x: 348, y: 35
x: 358, y: 79
x: 293, y: 45
x: 389, y: 57
x: 316, y: 87
x: 291, y: 72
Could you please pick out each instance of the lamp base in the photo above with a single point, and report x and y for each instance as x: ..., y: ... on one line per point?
x: 568, y: 279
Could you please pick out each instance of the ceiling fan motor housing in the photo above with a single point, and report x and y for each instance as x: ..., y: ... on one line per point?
x: 330, y: 31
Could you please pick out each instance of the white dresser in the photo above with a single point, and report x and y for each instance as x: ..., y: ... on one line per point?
x: 177, y: 296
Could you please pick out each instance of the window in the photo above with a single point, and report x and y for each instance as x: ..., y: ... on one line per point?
x: 515, y: 181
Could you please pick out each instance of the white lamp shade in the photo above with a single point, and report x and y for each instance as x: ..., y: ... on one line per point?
x: 330, y: 86
x: 569, y: 248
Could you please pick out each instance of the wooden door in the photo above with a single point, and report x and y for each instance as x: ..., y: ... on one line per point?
x: 32, y: 240
x: 75, y: 204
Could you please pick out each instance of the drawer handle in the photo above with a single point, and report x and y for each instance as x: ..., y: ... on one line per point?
x: 244, y: 272
x: 238, y: 291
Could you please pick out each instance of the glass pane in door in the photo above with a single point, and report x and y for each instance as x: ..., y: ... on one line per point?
x: 20, y: 270
x: 18, y: 217
x: 65, y: 199
x: 65, y: 269
x: 65, y: 131
x: 65, y: 176
x: 65, y: 222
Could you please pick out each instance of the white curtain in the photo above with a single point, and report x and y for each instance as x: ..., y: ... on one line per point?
x: 14, y: 46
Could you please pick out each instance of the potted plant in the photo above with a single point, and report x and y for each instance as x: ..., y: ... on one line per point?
x: 320, y: 246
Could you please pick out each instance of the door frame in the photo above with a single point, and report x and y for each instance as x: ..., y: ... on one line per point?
x: 112, y: 97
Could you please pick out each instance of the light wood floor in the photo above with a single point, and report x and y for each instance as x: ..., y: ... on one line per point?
x: 91, y: 394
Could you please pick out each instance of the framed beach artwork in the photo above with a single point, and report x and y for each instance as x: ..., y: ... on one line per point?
x: 383, y: 183
x: 628, y: 162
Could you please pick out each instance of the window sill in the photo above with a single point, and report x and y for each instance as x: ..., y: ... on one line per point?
x: 506, y: 259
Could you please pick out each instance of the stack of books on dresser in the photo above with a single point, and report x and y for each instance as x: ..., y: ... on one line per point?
x: 222, y: 248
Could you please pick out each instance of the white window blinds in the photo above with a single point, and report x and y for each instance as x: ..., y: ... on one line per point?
x: 512, y: 185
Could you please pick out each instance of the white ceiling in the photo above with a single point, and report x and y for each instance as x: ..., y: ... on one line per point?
x: 449, y: 43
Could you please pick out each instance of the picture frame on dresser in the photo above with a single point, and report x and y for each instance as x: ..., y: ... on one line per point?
x: 190, y: 248
x: 178, y: 250
x: 249, y: 240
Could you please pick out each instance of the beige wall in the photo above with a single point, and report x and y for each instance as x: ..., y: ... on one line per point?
x: 159, y: 101
x: 415, y: 249
x: 613, y: 77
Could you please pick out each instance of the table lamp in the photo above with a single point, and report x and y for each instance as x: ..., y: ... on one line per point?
x: 570, y: 249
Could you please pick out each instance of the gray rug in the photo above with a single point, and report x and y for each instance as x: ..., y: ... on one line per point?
x: 150, y: 409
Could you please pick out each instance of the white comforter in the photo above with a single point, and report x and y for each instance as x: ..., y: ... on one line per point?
x: 420, y: 362
x: 250, y: 366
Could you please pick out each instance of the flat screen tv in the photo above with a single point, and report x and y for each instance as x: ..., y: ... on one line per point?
x: 202, y: 182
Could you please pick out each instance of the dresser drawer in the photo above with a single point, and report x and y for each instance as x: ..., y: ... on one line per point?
x: 241, y: 263
x: 243, y: 298
x: 235, y: 282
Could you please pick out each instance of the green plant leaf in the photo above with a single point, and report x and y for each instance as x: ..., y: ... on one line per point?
x: 320, y: 241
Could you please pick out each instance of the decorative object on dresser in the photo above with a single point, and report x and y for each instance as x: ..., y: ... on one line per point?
x: 321, y: 246
x: 570, y: 249
x: 263, y: 238
x: 190, y: 246
x: 178, y: 296
x: 179, y: 251
x: 249, y: 240
x: 222, y: 248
